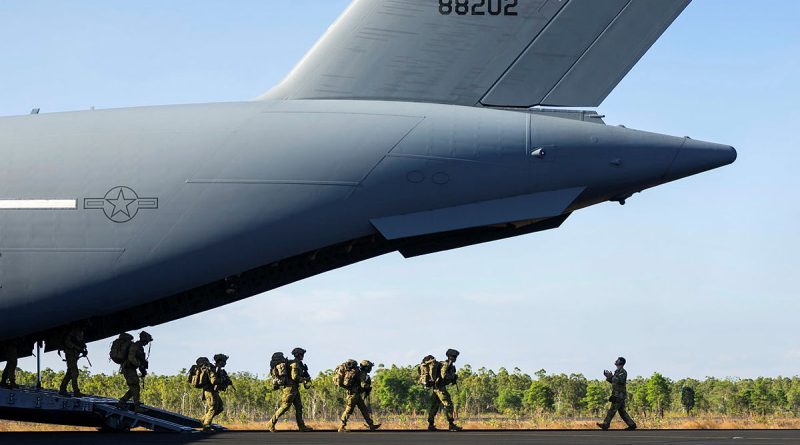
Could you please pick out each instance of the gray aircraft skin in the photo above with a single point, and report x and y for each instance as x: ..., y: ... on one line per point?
x: 135, y: 217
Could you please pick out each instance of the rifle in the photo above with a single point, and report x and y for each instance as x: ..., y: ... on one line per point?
x: 143, y: 372
x: 306, y: 376
x: 224, y: 374
x: 85, y: 354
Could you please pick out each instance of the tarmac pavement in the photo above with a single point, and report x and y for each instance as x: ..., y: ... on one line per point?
x: 702, y: 437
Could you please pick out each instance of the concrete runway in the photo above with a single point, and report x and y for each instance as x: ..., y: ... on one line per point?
x: 734, y: 437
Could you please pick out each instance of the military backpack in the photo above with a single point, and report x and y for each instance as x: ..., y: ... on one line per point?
x: 120, y: 348
x: 346, y: 374
x: 199, y: 376
x: 192, y: 374
x: 428, y: 371
x: 279, y: 371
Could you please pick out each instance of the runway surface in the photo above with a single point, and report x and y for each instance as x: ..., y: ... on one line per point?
x: 734, y: 437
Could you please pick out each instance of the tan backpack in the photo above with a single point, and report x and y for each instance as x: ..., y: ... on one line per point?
x: 346, y: 374
x: 279, y: 371
x: 428, y: 371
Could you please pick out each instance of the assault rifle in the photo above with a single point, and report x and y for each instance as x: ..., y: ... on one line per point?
x: 85, y: 354
x: 306, y: 377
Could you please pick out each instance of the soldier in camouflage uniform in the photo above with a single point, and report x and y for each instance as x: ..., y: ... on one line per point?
x: 10, y: 371
x: 441, y: 397
x: 74, y: 348
x: 356, y: 395
x: 137, y: 360
x: 218, y: 380
x: 290, y: 394
x: 366, y: 383
x: 619, y: 392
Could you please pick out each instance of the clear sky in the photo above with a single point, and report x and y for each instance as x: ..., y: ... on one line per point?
x: 694, y: 278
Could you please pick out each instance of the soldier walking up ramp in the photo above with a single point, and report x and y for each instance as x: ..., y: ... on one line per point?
x: 46, y: 406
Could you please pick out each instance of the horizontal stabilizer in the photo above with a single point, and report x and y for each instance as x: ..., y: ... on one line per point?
x: 499, y: 211
x: 500, y: 53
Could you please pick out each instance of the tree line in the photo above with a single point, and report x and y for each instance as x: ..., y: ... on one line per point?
x: 480, y: 393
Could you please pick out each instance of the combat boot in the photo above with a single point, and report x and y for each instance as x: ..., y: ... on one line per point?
x: 306, y: 429
x: 454, y: 427
x: 342, y: 428
x: 631, y: 427
x: 63, y: 393
x: 432, y: 427
x: 603, y: 426
x: 271, y: 426
x: 137, y: 408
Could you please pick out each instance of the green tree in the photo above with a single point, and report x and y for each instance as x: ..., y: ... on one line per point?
x: 597, y: 394
x: 539, y: 397
x: 793, y: 396
x: 511, y: 390
x: 658, y: 392
x: 687, y: 398
x: 762, y: 398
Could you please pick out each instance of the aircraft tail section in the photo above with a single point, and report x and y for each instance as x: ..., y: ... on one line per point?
x: 500, y: 53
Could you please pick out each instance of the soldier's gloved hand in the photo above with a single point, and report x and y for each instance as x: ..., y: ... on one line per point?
x: 143, y: 371
x: 607, y: 373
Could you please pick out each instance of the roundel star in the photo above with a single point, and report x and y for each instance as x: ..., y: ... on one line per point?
x: 121, y: 203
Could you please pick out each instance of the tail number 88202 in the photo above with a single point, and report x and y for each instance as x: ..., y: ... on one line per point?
x: 478, y: 7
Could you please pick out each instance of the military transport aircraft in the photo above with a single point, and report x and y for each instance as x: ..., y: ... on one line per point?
x: 413, y: 125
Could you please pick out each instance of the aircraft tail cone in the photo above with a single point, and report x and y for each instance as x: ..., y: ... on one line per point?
x: 698, y: 156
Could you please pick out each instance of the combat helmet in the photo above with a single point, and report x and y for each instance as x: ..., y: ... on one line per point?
x: 366, y: 364
x: 144, y: 336
x: 298, y: 351
x: 220, y: 358
x: 452, y: 353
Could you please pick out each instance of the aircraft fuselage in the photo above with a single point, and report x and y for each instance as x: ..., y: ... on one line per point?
x: 153, y: 202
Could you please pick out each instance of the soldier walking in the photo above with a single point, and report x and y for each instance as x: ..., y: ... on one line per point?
x: 10, y: 352
x: 619, y: 392
x: 218, y: 381
x: 366, y: 383
x: 136, y: 360
x: 290, y: 394
x: 355, y: 396
x: 441, y: 399
x: 74, y: 348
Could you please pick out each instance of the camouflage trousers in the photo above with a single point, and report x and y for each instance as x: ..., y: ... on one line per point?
x: 441, y: 400
x: 9, y: 373
x: 134, y: 389
x: 352, y: 401
x: 290, y: 396
x: 618, y: 406
x: 214, y: 406
x: 71, y: 357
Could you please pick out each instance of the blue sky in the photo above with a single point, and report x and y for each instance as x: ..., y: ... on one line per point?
x: 693, y: 278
